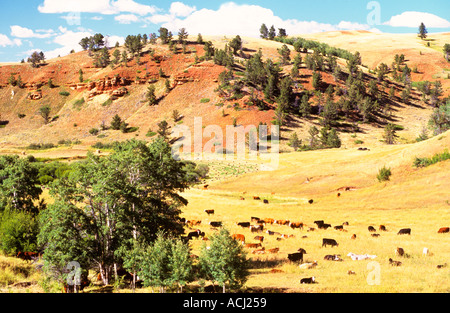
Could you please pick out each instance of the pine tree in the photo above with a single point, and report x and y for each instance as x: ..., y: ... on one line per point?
x: 116, y: 122
x: 264, y: 31
x: 150, y: 95
x: 285, y: 54
x: 305, y: 106
x: 423, y: 31
x: 272, y: 33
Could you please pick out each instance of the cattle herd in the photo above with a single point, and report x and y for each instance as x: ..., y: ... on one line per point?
x: 260, y: 227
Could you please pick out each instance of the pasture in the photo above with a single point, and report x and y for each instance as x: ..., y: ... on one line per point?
x: 418, y: 272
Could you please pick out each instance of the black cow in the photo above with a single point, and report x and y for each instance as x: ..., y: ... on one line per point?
x: 244, y: 224
x: 329, y: 242
x: 319, y: 223
x: 296, y: 257
x: 215, y: 224
x: 309, y: 280
x: 404, y: 231
x: 324, y: 226
x: 371, y: 229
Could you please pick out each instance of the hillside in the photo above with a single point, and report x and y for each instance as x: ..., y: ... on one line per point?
x: 190, y: 84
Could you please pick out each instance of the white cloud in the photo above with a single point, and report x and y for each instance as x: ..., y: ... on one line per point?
x: 181, y: 9
x: 5, y: 41
x: 245, y: 20
x: 23, y: 32
x: 96, y: 6
x: 68, y: 40
x: 126, y: 18
x: 413, y: 19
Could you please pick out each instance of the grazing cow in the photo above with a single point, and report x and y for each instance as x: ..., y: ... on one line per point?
x: 404, y: 231
x: 253, y: 245
x: 205, y: 187
x: 443, y: 230
x: 394, y: 263
x: 215, y: 224
x: 371, y: 229
x: 259, y: 251
x: 209, y: 212
x: 375, y: 235
x: 244, y: 224
x: 239, y: 237
x: 442, y: 265
x: 339, y: 194
x: 329, y: 242
x: 333, y: 257
x: 266, y: 201
x: 351, y: 272
x: 242, y: 198
x: 256, y: 229
x: 309, y: 280
x: 382, y: 228
x: 324, y: 226
x: 294, y: 225
x: 195, y: 234
x: 269, y: 220
x: 353, y: 236
x: 308, y: 265
x: 271, y: 233
x: 296, y: 257
x: 273, y: 250
x: 339, y: 227
x: 281, y: 222
x: 256, y: 198
x: 28, y: 256
x: 319, y: 223
x: 311, y: 201
x: 255, y: 219
x: 399, y: 251
x: 193, y: 222
x: 259, y: 238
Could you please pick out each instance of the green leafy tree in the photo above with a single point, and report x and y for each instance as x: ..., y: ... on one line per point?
x: 19, y: 184
x: 106, y: 203
x: 225, y: 261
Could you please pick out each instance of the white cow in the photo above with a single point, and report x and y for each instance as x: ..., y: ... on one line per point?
x: 358, y: 257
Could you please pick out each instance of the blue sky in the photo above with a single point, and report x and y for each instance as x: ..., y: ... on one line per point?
x: 56, y: 26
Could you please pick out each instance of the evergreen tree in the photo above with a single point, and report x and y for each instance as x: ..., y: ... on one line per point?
x: 182, y: 35
x: 150, y: 95
x: 44, y: 111
x: 236, y: 44
x: 305, y: 106
x: 116, y: 122
x: 285, y: 54
x: 447, y: 51
x: 264, y: 31
x: 389, y: 134
x: 316, y: 80
x: 423, y: 31
x: 272, y: 33
x: 294, y: 141
x: 200, y: 39
x: 164, y: 35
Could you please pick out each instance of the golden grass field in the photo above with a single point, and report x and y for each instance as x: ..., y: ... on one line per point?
x: 414, y: 198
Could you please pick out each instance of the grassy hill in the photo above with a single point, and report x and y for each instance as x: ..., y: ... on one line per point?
x: 415, y: 198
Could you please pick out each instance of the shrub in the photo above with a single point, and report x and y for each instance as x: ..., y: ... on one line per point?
x: 205, y: 100
x: 439, y: 157
x: 93, y: 131
x: 18, y: 232
x: 384, y: 174
x: 64, y: 93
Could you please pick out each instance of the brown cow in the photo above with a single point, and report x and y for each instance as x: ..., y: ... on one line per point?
x: 28, y: 256
x: 259, y: 238
x: 281, y: 222
x: 269, y: 220
x: 259, y: 251
x: 253, y: 245
x: 239, y: 237
x: 193, y: 222
x: 256, y: 229
x: 256, y: 198
x: 443, y: 230
x: 273, y: 250
x: 209, y: 212
x: 296, y: 225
